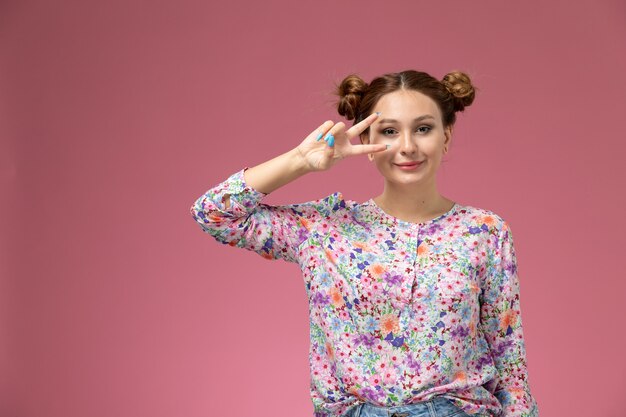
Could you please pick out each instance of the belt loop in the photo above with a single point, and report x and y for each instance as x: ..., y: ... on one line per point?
x: 358, y: 410
x: 432, y: 411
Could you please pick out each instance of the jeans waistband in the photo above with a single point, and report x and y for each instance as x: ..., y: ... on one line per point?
x: 434, y: 407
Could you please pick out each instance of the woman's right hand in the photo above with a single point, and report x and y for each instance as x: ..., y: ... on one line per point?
x: 321, y: 154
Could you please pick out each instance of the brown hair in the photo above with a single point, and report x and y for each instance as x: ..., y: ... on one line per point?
x: 452, y: 94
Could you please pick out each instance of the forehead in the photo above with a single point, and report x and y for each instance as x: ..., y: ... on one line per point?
x: 406, y: 105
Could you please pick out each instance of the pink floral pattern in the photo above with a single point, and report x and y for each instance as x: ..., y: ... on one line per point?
x: 400, y: 312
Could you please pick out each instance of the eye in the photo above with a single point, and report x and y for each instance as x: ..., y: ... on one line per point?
x: 389, y: 131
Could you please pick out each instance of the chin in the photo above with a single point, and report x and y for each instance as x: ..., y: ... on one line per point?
x: 405, y: 180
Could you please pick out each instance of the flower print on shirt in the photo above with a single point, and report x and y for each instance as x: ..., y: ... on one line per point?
x: 399, y: 312
x: 274, y: 232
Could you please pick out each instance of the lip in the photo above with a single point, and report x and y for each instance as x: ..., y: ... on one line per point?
x: 409, y: 166
x: 406, y: 166
x: 409, y: 163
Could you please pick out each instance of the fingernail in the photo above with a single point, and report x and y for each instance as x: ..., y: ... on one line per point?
x: 378, y: 113
x: 388, y: 146
x: 327, y: 136
x: 331, y: 141
x: 319, y: 136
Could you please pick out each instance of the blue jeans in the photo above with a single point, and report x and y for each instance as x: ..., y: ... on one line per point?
x: 435, y: 407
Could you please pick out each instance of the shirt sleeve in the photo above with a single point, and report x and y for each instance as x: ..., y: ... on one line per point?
x: 501, y: 320
x: 274, y: 232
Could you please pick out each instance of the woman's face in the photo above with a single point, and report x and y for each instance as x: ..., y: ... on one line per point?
x: 411, y: 123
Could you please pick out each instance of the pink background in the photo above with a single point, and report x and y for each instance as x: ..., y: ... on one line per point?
x: 117, y: 115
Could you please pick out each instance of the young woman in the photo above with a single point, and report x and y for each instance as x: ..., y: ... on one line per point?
x: 414, y: 298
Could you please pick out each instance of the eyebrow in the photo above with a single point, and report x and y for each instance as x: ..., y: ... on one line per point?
x: 417, y: 119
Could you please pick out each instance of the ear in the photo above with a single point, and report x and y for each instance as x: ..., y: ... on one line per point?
x: 448, y: 133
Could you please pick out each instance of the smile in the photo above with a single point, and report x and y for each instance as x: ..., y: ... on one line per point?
x: 407, y: 166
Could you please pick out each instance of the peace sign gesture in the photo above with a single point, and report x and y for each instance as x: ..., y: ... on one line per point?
x: 320, y: 155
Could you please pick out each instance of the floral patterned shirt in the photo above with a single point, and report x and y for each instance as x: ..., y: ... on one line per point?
x: 400, y: 312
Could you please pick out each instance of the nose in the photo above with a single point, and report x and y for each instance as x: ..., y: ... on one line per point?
x: 407, y: 143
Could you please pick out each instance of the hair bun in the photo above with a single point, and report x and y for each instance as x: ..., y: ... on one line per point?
x: 350, y: 92
x: 460, y: 87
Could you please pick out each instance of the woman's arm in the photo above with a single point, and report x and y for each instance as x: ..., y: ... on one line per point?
x: 232, y: 211
x: 312, y: 154
x: 501, y: 321
x: 276, y: 172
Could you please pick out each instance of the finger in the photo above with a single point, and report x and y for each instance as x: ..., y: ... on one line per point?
x: 334, y: 131
x: 369, y: 148
x: 329, y: 149
x: 358, y: 128
x: 321, y: 131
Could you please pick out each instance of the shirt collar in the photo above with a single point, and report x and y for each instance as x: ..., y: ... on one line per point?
x: 371, y: 212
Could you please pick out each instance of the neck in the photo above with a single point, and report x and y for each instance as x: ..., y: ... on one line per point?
x: 414, y: 203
